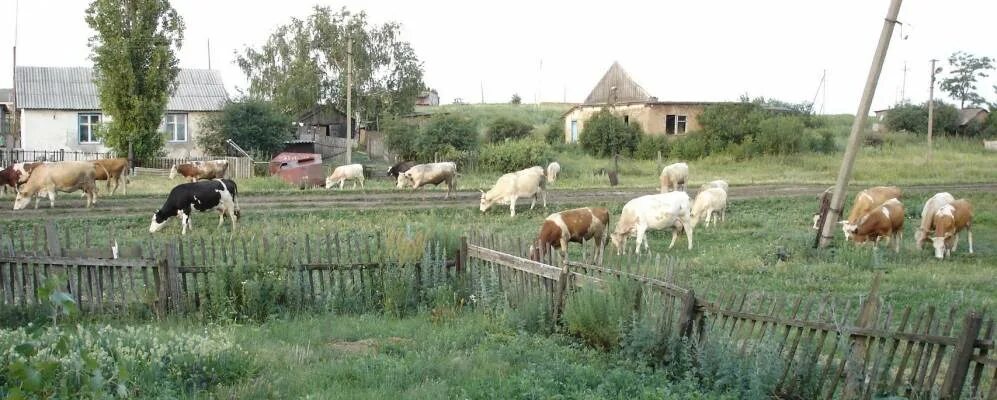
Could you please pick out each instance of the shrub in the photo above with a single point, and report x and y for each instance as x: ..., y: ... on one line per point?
x: 914, y: 118
x: 514, y: 155
x: 822, y: 141
x: 691, y: 147
x: 602, y: 318
x: 444, y: 134
x: 649, y: 147
x: 502, y: 129
x: 253, y: 124
x: 400, y: 137
x: 605, y: 134
x: 779, y: 136
x: 989, y: 130
x: 555, y: 132
x: 731, y: 123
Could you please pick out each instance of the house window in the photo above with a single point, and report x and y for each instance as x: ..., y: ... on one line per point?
x: 626, y: 119
x: 175, y: 127
x: 87, y: 127
x: 675, y: 124
x: 574, y: 131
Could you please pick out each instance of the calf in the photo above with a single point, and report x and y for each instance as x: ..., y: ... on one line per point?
x: 529, y: 182
x: 576, y: 225
x: 64, y: 176
x: 195, y: 170
x: 673, y: 177
x: 112, y: 169
x: 886, y: 220
x: 656, y: 211
x: 429, y: 174
x: 709, y: 202
x: 342, y: 173
x: 931, y: 206
x: 949, y: 220
x: 218, y: 194
x: 9, y: 177
x: 552, y: 170
x: 399, y: 167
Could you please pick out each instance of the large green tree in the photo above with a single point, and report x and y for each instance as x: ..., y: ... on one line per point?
x: 960, y: 84
x: 304, y: 63
x: 135, y: 66
x: 252, y: 124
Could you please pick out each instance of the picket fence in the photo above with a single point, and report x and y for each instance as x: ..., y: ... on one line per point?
x: 845, y: 349
x: 12, y: 156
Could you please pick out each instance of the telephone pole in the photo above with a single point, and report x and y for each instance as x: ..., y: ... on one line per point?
x: 931, y: 106
x: 845, y: 173
x: 349, y: 95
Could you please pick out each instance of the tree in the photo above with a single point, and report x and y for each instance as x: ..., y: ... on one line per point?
x: 252, y: 124
x: 303, y: 63
x: 516, y: 99
x: 914, y: 118
x: 135, y: 66
x: 961, y: 82
x: 606, y: 134
x: 504, y: 128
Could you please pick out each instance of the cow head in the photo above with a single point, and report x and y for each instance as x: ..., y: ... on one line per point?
x: 485, y: 202
x: 22, y: 200
x: 404, y: 179
x: 329, y: 182
x: 158, y: 222
x: 848, y: 228
x: 939, y: 244
x: 619, y: 241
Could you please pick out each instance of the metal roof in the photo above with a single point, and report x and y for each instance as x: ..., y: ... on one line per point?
x: 73, y: 88
x: 618, y: 80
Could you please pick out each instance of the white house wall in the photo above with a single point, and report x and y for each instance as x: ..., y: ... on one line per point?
x: 58, y: 130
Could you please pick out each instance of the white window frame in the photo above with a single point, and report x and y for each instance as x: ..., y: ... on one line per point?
x: 170, y: 127
x: 675, y: 124
x: 90, y: 124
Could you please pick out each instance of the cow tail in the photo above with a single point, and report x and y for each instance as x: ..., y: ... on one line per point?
x: 173, y: 171
x: 107, y: 174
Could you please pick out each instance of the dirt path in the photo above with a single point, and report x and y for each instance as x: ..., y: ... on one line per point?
x: 70, y: 205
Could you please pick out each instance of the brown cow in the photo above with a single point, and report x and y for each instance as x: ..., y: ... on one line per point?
x: 65, y: 176
x: 9, y: 177
x: 871, y: 198
x: 576, y: 225
x: 887, y: 220
x: 112, y: 169
x: 949, y: 220
x: 195, y: 170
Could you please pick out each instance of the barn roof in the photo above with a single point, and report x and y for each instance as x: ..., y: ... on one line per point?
x: 967, y: 114
x: 627, y: 90
x: 73, y: 88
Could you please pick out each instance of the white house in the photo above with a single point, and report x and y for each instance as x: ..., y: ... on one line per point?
x: 59, y: 109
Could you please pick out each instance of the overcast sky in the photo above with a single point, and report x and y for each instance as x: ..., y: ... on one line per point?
x: 704, y: 50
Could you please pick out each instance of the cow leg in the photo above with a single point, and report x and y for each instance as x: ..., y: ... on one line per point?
x: 564, y: 250
x: 969, y: 238
x: 512, y: 206
x: 544, y: 194
x: 221, y: 217
x: 675, y: 235
x: 640, y: 237
x: 51, y: 198
x: 955, y: 241
x: 533, y: 201
x: 341, y: 183
x: 354, y: 184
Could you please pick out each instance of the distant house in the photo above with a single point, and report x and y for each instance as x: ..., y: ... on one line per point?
x: 428, y: 98
x: 618, y: 92
x: 969, y: 115
x: 60, y: 109
x: 879, y: 121
x: 324, y: 128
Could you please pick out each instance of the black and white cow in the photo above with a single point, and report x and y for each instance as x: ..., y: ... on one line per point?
x: 218, y: 194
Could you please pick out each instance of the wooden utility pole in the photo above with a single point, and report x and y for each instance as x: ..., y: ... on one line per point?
x: 349, y: 95
x: 931, y: 107
x: 845, y: 173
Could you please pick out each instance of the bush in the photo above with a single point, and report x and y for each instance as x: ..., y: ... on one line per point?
x: 914, y: 118
x: 731, y: 123
x: 555, y: 132
x: 445, y: 134
x: 400, y: 137
x: 514, y: 155
x: 691, y: 147
x: 649, y: 147
x: 602, y: 318
x: 989, y: 130
x: 502, y: 129
x: 252, y: 124
x: 605, y: 134
x: 779, y: 136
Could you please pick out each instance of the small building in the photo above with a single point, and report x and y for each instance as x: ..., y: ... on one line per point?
x: 428, y: 98
x: 618, y: 92
x: 879, y: 121
x: 969, y: 115
x: 60, y: 109
x: 324, y: 125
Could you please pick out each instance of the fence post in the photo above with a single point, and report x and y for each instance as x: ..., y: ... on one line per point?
x: 462, y: 255
x: 687, y: 317
x: 169, y: 291
x: 855, y: 364
x: 962, y: 356
x: 560, y: 293
x: 52, y: 240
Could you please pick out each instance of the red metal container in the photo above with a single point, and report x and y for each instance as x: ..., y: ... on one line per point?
x: 299, y: 169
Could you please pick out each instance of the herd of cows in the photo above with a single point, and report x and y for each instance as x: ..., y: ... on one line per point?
x: 877, y: 213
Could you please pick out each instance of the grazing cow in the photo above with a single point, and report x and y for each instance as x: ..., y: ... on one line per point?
x: 65, y: 176
x: 871, y: 198
x: 673, y: 177
x: 9, y: 177
x: 656, y: 211
x: 576, y: 225
x: 709, y: 202
x: 885, y: 220
x: 399, y: 167
x: 949, y: 220
x: 529, y: 182
x: 429, y: 174
x: 931, y: 206
x: 552, y: 170
x: 823, y: 203
x: 720, y: 183
x: 218, y: 194
x: 194, y: 170
x: 342, y: 173
x: 112, y: 169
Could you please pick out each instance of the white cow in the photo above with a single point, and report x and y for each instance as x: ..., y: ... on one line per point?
x: 342, y: 173
x: 673, y: 177
x: 931, y: 206
x: 552, y: 170
x: 656, y: 211
x: 529, y: 182
x: 429, y: 174
x: 708, y: 203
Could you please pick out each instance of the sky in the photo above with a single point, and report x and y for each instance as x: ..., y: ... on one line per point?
x: 693, y: 50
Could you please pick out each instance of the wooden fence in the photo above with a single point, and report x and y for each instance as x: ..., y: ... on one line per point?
x: 12, y: 156
x: 171, y: 276
x: 238, y: 167
x: 850, y: 350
